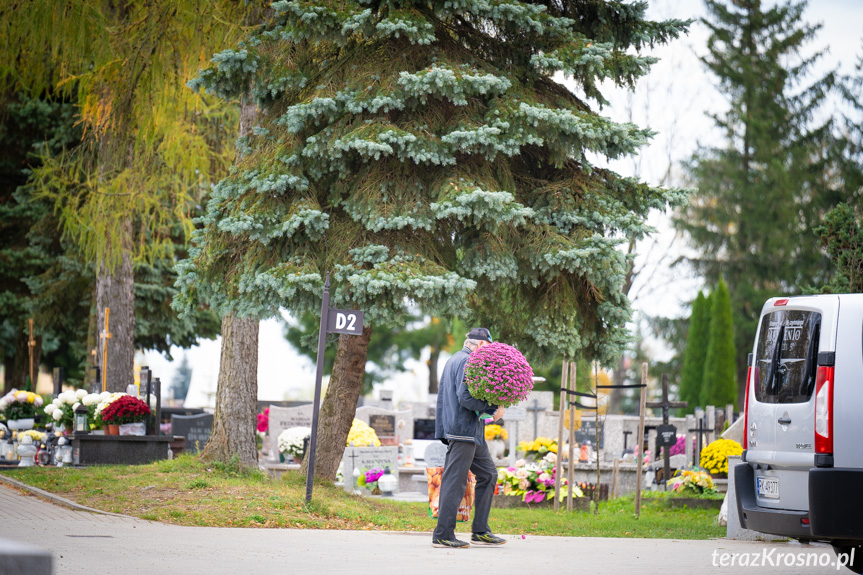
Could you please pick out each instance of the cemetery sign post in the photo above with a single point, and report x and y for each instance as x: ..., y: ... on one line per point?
x: 343, y: 321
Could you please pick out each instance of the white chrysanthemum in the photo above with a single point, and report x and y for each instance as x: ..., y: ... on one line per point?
x: 57, y: 415
x: 75, y: 405
x: 91, y: 399
x: 80, y: 393
x: 50, y: 409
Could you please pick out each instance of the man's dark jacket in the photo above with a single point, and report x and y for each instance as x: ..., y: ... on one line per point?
x: 456, y: 418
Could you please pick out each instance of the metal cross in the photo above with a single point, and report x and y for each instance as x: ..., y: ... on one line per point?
x: 535, y: 409
x: 31, y: 344
x: 105, y: 335
x: 353, y: 457
x: 665, y: 404
x: 701, y: 431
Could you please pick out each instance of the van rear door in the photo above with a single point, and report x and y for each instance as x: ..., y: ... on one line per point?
x: 781, y: 433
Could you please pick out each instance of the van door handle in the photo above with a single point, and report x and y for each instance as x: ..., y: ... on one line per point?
x: 784, y: 420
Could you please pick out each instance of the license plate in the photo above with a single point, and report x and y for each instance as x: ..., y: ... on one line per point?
x: 767, y: 487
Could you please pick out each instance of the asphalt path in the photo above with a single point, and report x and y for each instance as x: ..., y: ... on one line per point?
x: 86, y: 541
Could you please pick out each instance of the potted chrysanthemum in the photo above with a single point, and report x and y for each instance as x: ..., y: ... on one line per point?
x: 20, y: 407
x: 291, y: 442
x: 127, y: 412
x: 499, y: 374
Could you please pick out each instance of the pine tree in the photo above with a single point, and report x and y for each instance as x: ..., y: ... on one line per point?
x: 29, y: 128
x: 421, y: 151
x: 697, y: 340
x: 762, y: 194
x: 720, y: 377
x: 842, y: 237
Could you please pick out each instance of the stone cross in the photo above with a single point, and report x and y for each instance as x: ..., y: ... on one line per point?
x: 31, y: 344
x: 535, y: 409
x: 105, y: 336
x: 666, y: 405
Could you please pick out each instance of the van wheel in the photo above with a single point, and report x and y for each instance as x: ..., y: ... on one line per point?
x: 854, y: 554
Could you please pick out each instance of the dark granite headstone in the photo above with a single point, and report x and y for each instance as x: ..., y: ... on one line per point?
x: 195, y: 428
x: 423, y: 428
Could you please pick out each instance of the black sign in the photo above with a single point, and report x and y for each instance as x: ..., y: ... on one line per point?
x: 195, y: 428
x: 384, y: 425
x: 587, y: 432
x: 666, y: 436
x: 347, y: 321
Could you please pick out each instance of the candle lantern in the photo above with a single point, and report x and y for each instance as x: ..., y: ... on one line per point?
x: 387, y: 483
x: 81, y: 425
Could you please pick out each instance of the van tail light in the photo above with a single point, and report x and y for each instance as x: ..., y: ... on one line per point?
x: 746, y: 407
x: 824, y: 410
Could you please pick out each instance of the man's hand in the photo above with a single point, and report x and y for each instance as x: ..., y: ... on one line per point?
x: 499, y: 413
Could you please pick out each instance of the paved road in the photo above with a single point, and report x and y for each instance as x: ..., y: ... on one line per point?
x: 86, y: 542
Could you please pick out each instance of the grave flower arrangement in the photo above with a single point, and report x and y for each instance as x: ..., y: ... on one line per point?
x: 125, y: 409
x: 495, y: 431
x: 36, y: 436
x: 714, y: 457
x: 62, y: 409
x: 19, y: 404
x: 264, y: 421
x: 361, y: 435
x: 291, y: 440
x: 499, y: 374
x: 692, y: 483
x: 538, y: 447
x: 369, y: 478
x: 533, y: 482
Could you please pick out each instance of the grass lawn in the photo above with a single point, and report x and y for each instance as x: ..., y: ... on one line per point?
x: 186, y: 491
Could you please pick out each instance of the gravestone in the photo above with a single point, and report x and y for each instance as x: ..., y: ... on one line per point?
x: 435, y: 454
x: 365, y: 458
x: 540, y: 415
x: 392, y: 427
x: 282, y: 418
x: 587, y: 433
x: 195, y: 428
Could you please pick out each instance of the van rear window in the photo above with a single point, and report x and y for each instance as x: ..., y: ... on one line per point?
x: 786, y: 356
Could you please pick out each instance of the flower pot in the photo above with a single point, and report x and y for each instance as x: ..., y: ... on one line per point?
x: 298, y: 460
x: 137, y: 428
x: 21, y: 424
x: 112, y: 429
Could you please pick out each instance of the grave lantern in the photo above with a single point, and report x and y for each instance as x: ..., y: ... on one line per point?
x: 81, y: 426
x: 387, y: 483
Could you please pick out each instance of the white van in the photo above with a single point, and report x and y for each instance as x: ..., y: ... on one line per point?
x: 803, y: 439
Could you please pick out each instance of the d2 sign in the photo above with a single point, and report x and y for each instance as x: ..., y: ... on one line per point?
x: 348, y: 321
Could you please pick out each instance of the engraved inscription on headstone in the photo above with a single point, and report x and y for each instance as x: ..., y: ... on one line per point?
x: 435, y: 454
x: 195, y: 428
x: 587, y: 432
x: 365, y: 458
x: 384, y: 425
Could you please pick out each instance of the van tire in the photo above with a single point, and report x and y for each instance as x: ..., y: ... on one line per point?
x: 857, y: 565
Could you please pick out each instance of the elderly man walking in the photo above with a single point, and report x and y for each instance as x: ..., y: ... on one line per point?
x: 458, y: 424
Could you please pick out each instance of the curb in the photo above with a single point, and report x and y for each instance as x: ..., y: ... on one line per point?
x: 56, y: 499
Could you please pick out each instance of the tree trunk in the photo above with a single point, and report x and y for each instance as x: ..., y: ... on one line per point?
x: 234, y: 422
x: 340, y: 404
x: 433, y: 376
x: 115, y: 290
x: 21, y: 363
x: 235, y: 419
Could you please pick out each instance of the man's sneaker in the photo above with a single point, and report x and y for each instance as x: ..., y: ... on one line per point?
x: 486, y: 539
x: 451, y: 543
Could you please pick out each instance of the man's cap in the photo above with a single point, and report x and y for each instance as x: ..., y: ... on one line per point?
x: 480, y: 334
